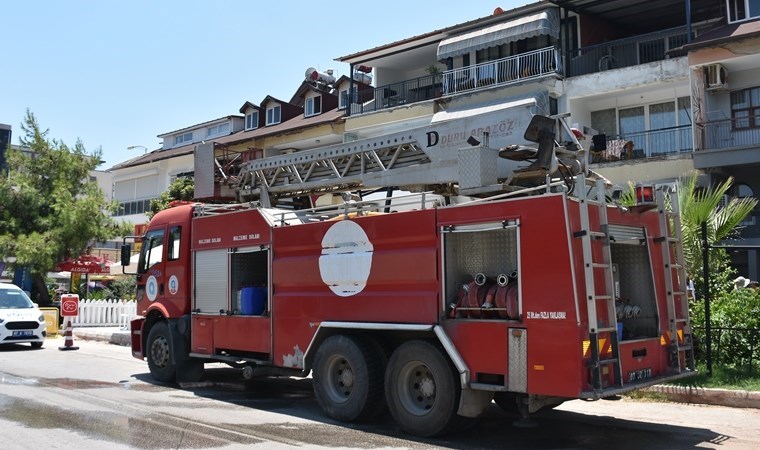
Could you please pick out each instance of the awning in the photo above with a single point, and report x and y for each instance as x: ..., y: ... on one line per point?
x: 543, y: 23
x: 448, y: 115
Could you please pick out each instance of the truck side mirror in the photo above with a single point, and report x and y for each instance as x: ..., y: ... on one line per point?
x: 126, y: 253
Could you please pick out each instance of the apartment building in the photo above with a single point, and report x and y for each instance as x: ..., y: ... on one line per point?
x: 725, y: 68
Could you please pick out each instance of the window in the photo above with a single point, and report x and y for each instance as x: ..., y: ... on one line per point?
x: 177, y: 176
x: 152, y: 250
x: 655, y: 129
x: 175, y: 233
x: 133, y: 207
x: 745, y: 191
x: 313, y: 106
x: 216, y: 130
x: 252, y: 120
x: 182, y: 138
x: 604, y: 121
x: 745, y: 108
x: 343, y: 97
x: 273, y: 115
x: 739, y: 10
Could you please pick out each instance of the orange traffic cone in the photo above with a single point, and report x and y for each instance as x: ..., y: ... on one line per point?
x: 69, y: 342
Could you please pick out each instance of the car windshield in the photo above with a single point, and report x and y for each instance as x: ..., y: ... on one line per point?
x: 14, y: 298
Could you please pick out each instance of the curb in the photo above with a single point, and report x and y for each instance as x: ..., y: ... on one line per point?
x: 113, y: 337
x: 708, y: 396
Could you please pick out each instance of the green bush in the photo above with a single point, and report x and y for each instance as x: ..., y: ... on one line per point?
x: 737, y: 313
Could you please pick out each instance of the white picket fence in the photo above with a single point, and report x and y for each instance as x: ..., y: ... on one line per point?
x: 105, y: 313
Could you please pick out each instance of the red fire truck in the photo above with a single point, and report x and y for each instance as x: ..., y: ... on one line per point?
x: 529, y: 297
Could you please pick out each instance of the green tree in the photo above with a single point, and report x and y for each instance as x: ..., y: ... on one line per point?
x: 50, y: 210
x: 182, y: 189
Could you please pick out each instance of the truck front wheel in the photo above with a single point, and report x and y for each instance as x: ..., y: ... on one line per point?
x: 348, y: 378
x: 422, y: 389
x: 159, y: 353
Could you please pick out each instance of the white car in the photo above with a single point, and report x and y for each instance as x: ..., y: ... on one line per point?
x: 20, y: 319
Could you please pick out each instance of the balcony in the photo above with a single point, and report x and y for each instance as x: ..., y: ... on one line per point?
x: 730, y: 133
x: 627, y: 52
x: 727, y: 142
x: 646, y: 144
x: 500, y: 72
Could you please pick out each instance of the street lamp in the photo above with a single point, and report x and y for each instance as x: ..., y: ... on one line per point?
x: 132, y: 147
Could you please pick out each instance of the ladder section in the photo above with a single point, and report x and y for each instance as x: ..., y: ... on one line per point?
x: 600, y: 239
x: 676, y: 294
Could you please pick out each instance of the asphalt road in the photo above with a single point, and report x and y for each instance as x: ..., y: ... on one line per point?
x: 100, y: 397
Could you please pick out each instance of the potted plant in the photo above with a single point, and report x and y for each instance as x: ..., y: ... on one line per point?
x: 434, y: 70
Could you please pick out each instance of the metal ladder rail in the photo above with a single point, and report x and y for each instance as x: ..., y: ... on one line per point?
x: 590, y: 266
x: 671, y: 244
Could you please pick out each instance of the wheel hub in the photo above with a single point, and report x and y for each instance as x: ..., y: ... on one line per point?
x: 427, y: 387
x: 346, y: 377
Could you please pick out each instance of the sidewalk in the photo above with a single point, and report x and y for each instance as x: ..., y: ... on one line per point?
x: 678, y: 394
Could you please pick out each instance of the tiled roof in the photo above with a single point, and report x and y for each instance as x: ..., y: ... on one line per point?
x: 293, y: 124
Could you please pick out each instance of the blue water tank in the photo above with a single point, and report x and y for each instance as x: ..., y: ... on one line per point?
x: 253, y: 301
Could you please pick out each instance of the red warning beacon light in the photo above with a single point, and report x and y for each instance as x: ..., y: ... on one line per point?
x: 644, y: 194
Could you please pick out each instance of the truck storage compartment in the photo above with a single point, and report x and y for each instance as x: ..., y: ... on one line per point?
x: 481, y: 277
x: 635, y: 302
x: 248, y: 281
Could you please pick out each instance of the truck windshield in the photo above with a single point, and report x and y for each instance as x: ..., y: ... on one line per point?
x: 152, y: 250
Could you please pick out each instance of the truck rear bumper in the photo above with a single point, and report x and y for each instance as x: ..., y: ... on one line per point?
x: 610, y: 392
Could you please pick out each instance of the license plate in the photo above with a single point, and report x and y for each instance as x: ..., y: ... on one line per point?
x: 638, y: 375
x: 22, y: 333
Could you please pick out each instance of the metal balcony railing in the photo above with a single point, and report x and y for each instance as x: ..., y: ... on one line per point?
x: 503, y: 71
x: 627, y: 52
x: 646, y: 144
x: 730, y: 133
x: 507, y: 70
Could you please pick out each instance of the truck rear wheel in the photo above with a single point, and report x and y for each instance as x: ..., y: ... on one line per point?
x: 422, y: 389
x: 159, y: 353
x: 348, y: 379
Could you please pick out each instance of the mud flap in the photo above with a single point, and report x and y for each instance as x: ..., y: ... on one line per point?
x: 472, y: 403
x: 135, y: 335
x: 180, y: 337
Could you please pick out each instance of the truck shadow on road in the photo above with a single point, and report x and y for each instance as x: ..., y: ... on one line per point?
x: 552, y: 428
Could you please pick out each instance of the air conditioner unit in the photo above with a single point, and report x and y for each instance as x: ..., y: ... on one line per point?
x: 717, y: 77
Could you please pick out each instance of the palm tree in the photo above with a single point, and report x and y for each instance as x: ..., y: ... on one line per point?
x: 697, y: 205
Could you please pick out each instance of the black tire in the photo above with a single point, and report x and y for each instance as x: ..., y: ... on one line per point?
x: 348, y: 379
x: 159, y: 353
x: 36, y: 344
x: 190, y: 370
x: 422, y: 390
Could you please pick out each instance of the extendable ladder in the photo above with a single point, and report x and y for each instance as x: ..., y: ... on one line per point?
x: 599, y: 239
x: 677, y: 298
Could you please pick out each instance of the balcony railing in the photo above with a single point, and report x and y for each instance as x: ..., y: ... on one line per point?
x: 730, y: 133
x: 646, y: 144
x: 507, y: 70
x: 627, y: 52
x: 503, y: 71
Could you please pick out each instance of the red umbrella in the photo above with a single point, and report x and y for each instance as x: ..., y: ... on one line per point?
x: 84, y: 264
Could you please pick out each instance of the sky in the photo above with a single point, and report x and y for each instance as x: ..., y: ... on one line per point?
x: 115, y: 74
